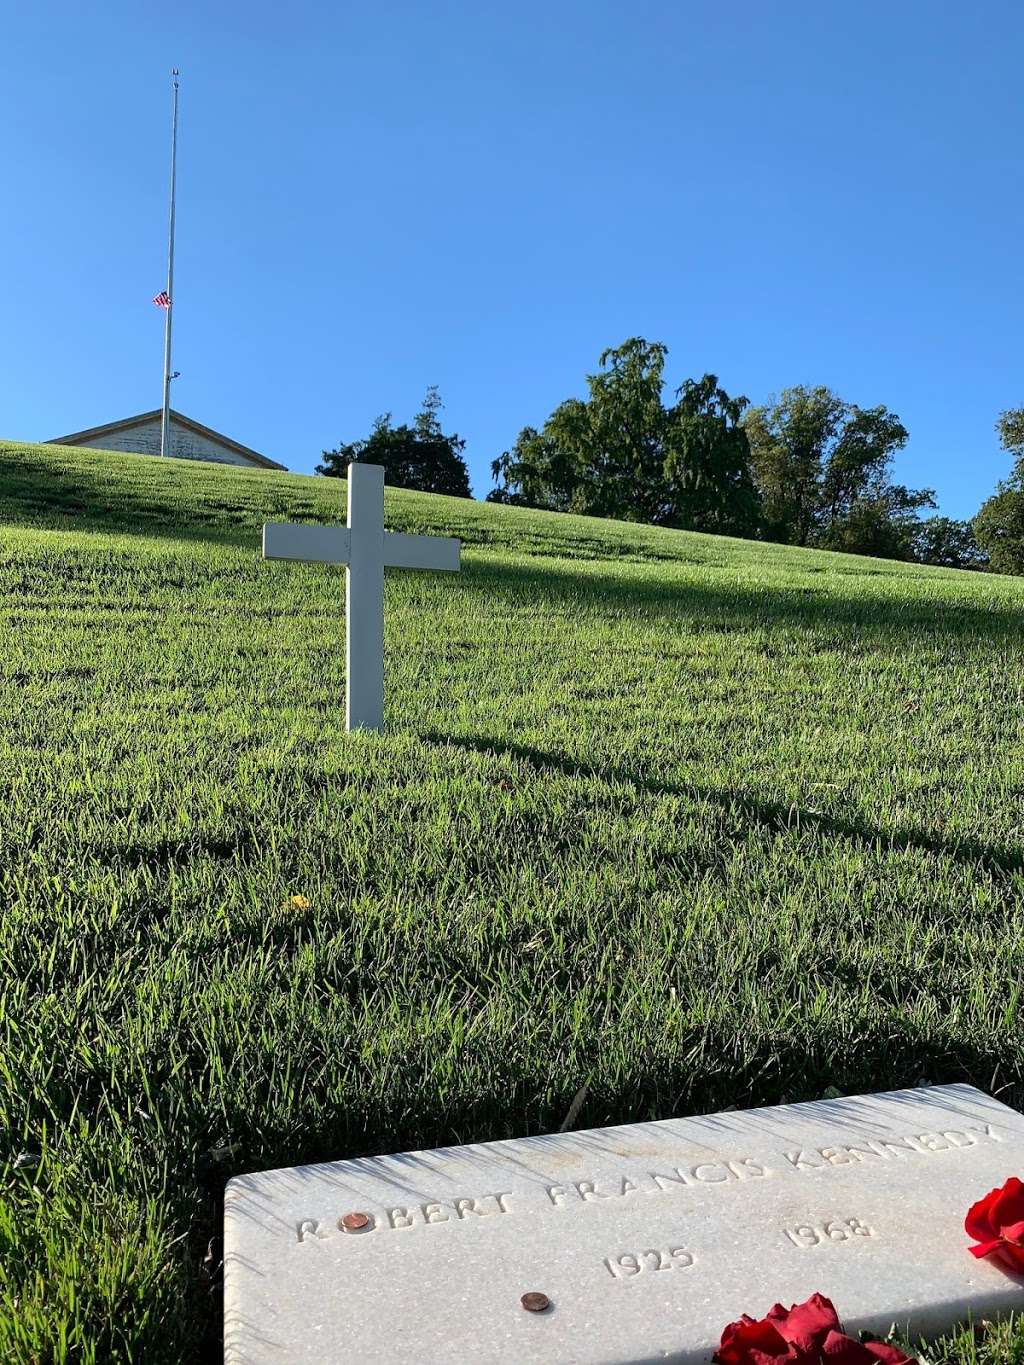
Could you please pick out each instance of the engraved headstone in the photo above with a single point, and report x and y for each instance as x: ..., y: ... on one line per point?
x: 366, y: 549
x: 637, y: 1244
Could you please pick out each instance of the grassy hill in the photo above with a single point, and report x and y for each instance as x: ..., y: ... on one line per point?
x: 691, y: 821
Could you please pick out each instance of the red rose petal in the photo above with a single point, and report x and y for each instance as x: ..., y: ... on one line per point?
x: 1014, y: 1233
x: 749, y: 1342
x: 805, y: 1334
x: 839, y: 1349
x: 777, y: 1313
x: 1008, y: 1205
x: 978, y: 1223
x: 888, y: 1355
x: 806, y: 1325
x: 986, y: 1248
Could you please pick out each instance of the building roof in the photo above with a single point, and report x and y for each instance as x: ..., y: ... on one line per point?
x: 126, y: 423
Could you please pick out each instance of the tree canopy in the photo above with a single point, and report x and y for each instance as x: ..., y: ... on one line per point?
x: 1010, y: 427
x: 622, y: 453
x: 948, y: 542
x: 420, y: 456
x: 822, y: 467
x: 805, y: 468
x: 999, y: 525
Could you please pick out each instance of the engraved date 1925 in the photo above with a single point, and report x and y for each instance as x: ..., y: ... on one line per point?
x: 836, y: 1230
x: 630, y: 1264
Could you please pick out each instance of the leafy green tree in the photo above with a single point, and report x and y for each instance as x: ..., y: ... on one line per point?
x: 617, y: 436
x: 822, y: 467
x: 420, y: 456
x: 1010, y: 427
x: 536, y: 472
x: 790, y: 439
x: 622, y: 453
x: 999, y: 525
x: 883, y: 523
x: 949, y: 543
x: 707, y: 462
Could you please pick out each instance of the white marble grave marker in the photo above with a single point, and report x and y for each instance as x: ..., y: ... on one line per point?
x: 365, y: 548
x: 646, y: 1239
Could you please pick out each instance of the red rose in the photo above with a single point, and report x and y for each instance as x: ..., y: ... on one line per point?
x: 806, y: 1334
x: 997, y: 1223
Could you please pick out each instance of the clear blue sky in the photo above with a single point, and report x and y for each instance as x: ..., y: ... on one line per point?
x: 375, y: 197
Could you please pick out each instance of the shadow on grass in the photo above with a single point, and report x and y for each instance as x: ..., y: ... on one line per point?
x: 829, y: 604
x: 43, y: 493
x: 710, y: 1069
x: 770, y: 815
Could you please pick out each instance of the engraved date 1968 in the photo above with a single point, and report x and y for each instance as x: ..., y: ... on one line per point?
x: 630, y: 1264
x: 836, y: 1230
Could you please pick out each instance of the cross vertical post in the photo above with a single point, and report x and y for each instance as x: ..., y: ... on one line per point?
x: 364, y: 616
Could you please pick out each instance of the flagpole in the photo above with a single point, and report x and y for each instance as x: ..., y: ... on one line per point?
x: 165, y: 413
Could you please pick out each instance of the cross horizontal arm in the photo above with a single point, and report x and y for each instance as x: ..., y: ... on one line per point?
x: 420, y: 552
x: 307, y: 544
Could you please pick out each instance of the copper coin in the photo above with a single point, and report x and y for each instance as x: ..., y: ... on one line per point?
x: 535, y: 1302
x: 355, y: 1222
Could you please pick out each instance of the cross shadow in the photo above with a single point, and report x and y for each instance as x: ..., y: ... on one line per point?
x: 770, y: 815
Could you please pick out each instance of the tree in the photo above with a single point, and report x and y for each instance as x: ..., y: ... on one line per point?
x: 822, y: 467
x: 949, y: 543
x: 622, y: 453
x: 999, y: 525
x: 883, y: 523
x: 790, y: 438
x: 707, y: 462
x: 535, y: 473
x: 1010, y: 427
x: 420, y: 456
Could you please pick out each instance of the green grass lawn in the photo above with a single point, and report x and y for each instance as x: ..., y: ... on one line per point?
x: 695, y: 821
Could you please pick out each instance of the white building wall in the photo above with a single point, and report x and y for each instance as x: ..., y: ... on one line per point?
x: 185, y: 445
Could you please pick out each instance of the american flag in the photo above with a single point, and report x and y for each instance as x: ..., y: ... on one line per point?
x: 163, y: 299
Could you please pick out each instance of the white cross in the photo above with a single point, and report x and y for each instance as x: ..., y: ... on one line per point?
x: 364, y: 547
